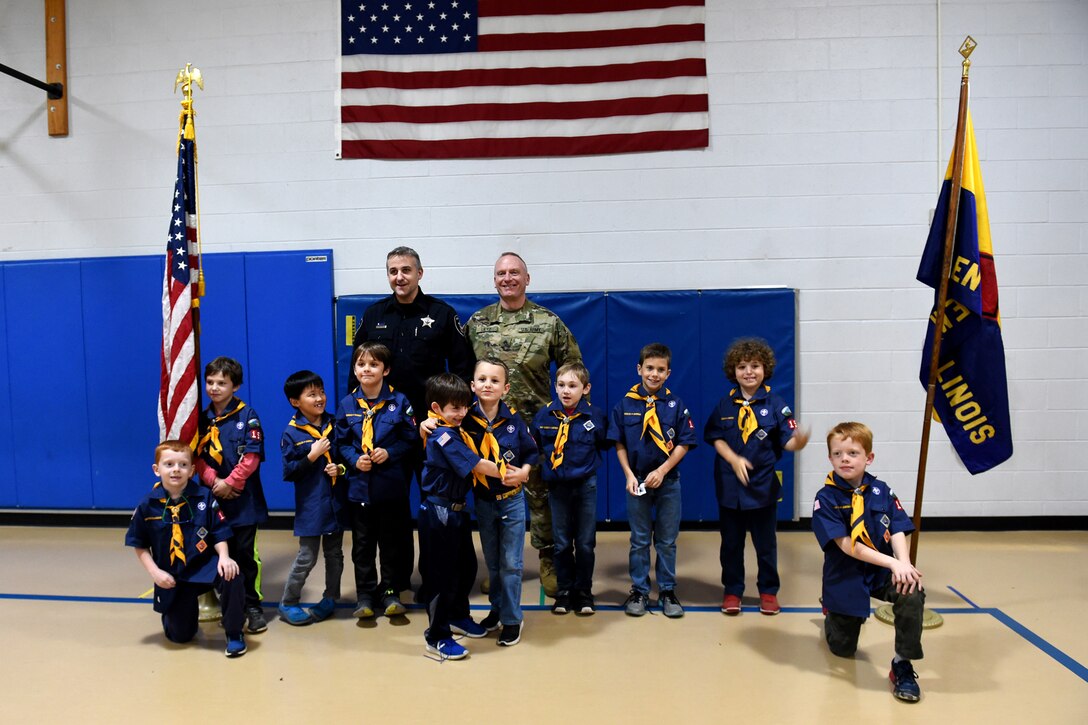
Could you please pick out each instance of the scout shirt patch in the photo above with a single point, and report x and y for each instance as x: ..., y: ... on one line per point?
x: 761, y: 434
x: 763, y: 412
x: 876, y: 490
x: 885, y: 521
x: 201, y: 546
x: 201, y: 505
x: 588, y: 425
x: 508, y: 456
x: 510, y: 428
x: 392, y: 407
x: 239, y: 425
x: 887, y: 536
x: 787, y: 412
x: 670, y: 433
x: 201, y: 532
x: 672, y: 403
x: 444, y: 439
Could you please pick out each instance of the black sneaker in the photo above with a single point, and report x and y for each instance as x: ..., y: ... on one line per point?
x: 491, y: 622
x: 255, y: 621
x: 904, y: 681
x: 510, y: 635
x: 583, y: 604
x: 635, y: 604
x: 562, y: 603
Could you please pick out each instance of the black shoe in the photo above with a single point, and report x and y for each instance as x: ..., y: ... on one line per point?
x: 255, y: 621
x: 583, y: 604
x: 562, y: 603
x: 491, y: 622
x: 905, y: 681
x: 510, y: 635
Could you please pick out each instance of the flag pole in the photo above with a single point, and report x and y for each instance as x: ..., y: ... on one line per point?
x: 966, y: 49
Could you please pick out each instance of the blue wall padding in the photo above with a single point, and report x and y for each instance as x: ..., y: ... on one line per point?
x: 79, y: 366
x: 612, y: 327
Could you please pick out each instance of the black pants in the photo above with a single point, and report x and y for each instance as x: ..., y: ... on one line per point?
x: 447, y: 564
x: 734, y: 524
x: 243, y: 549
x: 842, y: 630
x: 180, y: 621
x: 381, y: 526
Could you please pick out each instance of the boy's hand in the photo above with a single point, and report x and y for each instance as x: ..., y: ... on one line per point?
x: 331, y: 469
x: 364, y: 464
x: 427, y: 427
x: 379, y: 455
x: 655, y: 478
x: 319, y: 448
x: 906, y: 578
x: 228, y: 568
x: 222, y: 489
x: 163, y: 580
x: 741, y: 466
x: 632, y: 485
x: 514, y: 477
x: 798, y: 440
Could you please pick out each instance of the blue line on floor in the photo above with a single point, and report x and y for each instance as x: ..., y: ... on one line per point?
x: 960, y: 595
x: 1056, y: 654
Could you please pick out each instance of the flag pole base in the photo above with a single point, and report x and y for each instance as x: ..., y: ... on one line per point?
x: 930, y: 619
x: 208, y: 607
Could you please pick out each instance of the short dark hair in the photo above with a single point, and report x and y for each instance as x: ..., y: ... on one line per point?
x: 655, y: 349
x: 448, y: 389
x: 297, y: 383
x: 748, y: 348
x: 173, y: 445
x: 376, y: 350
x: 225, y: 366
x: 492, y: 360
x: 405, y: 252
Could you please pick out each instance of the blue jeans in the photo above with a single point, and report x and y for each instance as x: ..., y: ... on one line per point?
x: 502, y: 537
x: 663, y: 530
x: 574, y: 528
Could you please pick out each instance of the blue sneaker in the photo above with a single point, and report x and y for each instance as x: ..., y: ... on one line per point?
x: 467, y: 627
x: 236, y: 646
x: 295, y: 615
x: 905, y: 681
x: 447, y: 649
x: 323, y: 609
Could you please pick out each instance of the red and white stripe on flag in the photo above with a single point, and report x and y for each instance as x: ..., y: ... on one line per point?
x: 495, y: 78
x: 179, y: 396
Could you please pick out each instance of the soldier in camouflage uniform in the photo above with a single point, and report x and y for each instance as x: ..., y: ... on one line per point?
x: 528, y: 338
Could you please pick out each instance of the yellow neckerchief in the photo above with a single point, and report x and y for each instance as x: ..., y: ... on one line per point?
x: 649, y: 419
x: 177, y: 540
x: 369, y: 411
x: 442, y: 421
x: 561, y: 436
x: 313, y: 431
x: 746, y: 418
x: 215, y: 450
x: 858, y: 532
x: 489, y: 446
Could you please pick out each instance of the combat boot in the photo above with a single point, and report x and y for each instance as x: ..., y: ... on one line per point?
x: 547, y: 574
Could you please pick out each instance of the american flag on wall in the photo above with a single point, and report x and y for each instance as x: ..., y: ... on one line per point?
x: 432, y: 79
x: 179, y: 395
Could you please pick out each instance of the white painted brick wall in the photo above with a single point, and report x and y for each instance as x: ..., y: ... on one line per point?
x: 825, y: 159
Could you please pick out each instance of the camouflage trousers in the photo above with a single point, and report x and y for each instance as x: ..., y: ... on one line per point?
x: 540, y: 513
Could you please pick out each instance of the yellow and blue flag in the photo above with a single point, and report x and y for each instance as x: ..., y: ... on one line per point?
x: 972, y: 399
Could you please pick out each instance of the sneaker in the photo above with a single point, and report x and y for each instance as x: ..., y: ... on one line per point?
x: 391, y: 604
x: 635, y: 605
x: 364, y: 608
x: 510, y: 635
x: 548, y: 578
x: 491, y: 622
x: 583, y: 604
x: 295, y: 615
x: 323, y: 609
x: 236, y: 646
x: 255, y: 621
x: 731, y: 605
x: 670, y: 605
x: 904, y: 681
x: 768, y: 604
x: 468, y: 628
x: 562, y: 603
x: 447, y: 649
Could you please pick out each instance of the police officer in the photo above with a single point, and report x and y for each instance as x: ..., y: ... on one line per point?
x: 528, y: 338
x: 426, y: 338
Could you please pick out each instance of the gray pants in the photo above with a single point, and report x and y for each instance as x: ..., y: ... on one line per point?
x: 333, y: 547
x: 842, y: 630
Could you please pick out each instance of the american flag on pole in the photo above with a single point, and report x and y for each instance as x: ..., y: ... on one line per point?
x: 179, y: 396
x: 433, y: 79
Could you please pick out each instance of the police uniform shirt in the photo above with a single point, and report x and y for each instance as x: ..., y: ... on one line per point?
x: 394, y: 430
x: 239, y: 433
x: 423, y: 335
x: 447, y: 466
x: 848, y: 583
x: 516, y: 445
x: 528, y: 340
x: 587, y: 436
x: 763, y: 450
x: 625, y: 427
x: 203, y: 525
x: 319, y: 502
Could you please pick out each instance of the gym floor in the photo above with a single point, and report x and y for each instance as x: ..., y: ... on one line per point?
x: 80, y: 640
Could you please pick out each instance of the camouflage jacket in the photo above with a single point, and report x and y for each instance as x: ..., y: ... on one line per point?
x: 528, y: 340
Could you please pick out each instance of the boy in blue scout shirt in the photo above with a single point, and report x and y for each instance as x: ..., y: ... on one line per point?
x: 862, y: 528
x: 180, y: 537
x: 320, y: 497
x: 501, y: 437
x: 571, y: 434
x: 228, y: 461
x: 375, y: 433
x: 445, y: 530
x: 652, y: 431
x: 749, y: 429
